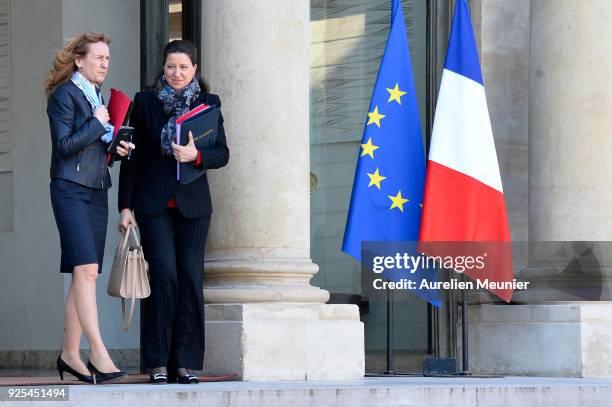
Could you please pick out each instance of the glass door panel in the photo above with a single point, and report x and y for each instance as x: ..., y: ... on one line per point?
x: 348, y: 38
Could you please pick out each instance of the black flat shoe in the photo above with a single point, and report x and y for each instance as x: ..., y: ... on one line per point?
x: 188, y: 379
x: 64, y: 367
x: 158, y: 378
x: 99, y: 377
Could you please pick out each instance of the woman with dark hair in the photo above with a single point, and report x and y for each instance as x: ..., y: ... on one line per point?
x: 79, y: 182
x: 173, y: 219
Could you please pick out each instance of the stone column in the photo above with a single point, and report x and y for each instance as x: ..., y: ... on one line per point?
x: 264, y: 319
x: 570, y: 196
x: 570, y: 150
x: 570, y: 123
x: 257, y: 59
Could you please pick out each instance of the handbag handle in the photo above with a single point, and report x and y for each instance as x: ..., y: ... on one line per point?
x: 127, y: 322
x: 132, y: 231
x: 124, y: 239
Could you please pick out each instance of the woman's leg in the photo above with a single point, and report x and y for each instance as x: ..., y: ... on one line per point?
x: 191, y: 237
x: 84, y: 281
x: 157, y: 238
x: 72, y: 335
x: 84, y: 292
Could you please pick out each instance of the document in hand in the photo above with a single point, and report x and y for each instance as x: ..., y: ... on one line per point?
x: 202, y: 122
x: 119, y: 107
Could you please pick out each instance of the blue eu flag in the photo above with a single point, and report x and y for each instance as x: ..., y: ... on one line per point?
x: 387, y: 197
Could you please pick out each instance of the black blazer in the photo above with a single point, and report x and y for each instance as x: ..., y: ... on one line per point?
x: 148, y: 179
x: 77, y: 153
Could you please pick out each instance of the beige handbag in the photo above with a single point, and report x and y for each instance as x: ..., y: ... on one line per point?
x: 129, y: 276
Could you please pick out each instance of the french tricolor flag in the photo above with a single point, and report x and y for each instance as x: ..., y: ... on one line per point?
x: 464, y: 199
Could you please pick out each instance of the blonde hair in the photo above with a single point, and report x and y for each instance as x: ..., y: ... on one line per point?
x: 64, y: 63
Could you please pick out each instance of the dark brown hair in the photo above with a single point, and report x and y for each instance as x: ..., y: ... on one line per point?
x: 187, y: 48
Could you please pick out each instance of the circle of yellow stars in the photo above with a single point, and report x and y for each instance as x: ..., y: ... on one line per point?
x: 375, y: 117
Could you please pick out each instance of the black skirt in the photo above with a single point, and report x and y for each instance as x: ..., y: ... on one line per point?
x: 81, y: 214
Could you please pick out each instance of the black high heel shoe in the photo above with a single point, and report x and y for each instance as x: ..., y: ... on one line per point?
x: 64, y: 367
x: 100, y: 377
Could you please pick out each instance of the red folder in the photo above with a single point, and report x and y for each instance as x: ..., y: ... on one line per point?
x: 191, y: 113
x: 118, y: 109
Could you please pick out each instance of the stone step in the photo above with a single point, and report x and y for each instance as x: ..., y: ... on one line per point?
x: 370, y: 392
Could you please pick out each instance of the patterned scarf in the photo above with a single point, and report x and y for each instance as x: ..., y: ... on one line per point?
x: 94, y: 99
x: 176, y: 103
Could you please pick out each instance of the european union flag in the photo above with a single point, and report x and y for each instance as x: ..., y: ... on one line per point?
x: 387, y: 196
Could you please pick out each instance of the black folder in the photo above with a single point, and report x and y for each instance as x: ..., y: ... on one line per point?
x: 204, y: 127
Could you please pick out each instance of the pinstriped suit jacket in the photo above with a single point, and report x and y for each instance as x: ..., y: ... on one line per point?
x: 148, y: 179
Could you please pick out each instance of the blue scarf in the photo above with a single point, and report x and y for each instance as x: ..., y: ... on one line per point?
x: 176, y: 103
x: 95, y: 100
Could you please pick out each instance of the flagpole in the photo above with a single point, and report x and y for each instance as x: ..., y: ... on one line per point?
x: 464, y: 332
x: 389, y: 370
x: 452, y: 326
x: 431, y: 90
x: 433, y: 332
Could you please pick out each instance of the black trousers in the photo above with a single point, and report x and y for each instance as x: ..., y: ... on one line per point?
x: 173, y: 316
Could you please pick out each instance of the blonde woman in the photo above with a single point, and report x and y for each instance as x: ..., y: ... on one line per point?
x: 80, y: 179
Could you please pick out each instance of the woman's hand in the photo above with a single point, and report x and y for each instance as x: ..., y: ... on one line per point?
x: 101, y: 114
x: 124, y: 148
x: 185, y: 154
x: 126, y: 219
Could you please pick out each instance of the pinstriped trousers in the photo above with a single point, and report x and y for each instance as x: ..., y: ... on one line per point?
x: 173, y: 317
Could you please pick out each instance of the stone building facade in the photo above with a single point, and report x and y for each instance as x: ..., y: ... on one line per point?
x: 295, y: 78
